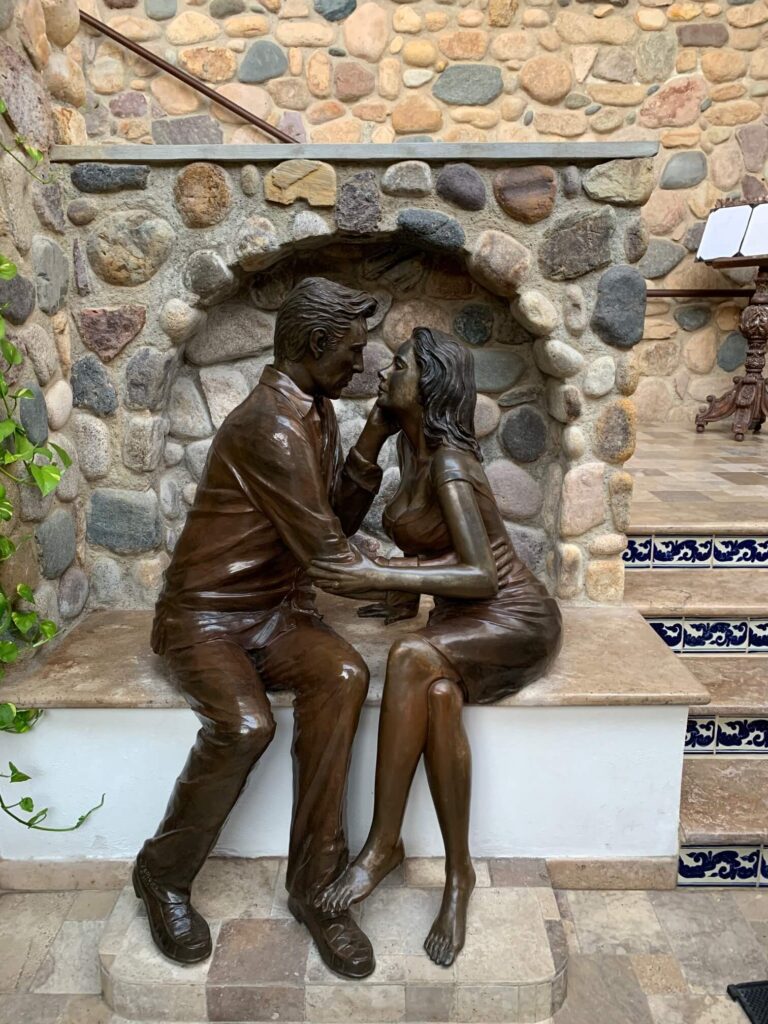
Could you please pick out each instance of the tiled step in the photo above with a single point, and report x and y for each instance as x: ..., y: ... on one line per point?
x: 735, y: 722
x: 684, y: 548
x: 732, y: 593
x: 724, y: 822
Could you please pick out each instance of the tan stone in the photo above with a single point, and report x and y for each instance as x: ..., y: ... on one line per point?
x: 203, y: 194
x: 607, y: 120
x: 371, y: 110
x: 289, y: 93
x: 310, y: 33
x: 500, y: 12
x: 535, y: 18
x: 246, y: 25
x: 723, y: 65
x: 31, y: 22
x: 301, y: 179
x: 404, y: 316
x: 617, y: 94
x: 134, y: 129
x: 62, y: 21
x: 64, y: 79
x: 416, y: 114
x: 512, y: 108
x: 711, y: 10
x: 319, y: 74
x: 366, y: 31
x: 653, y: 401
x: 700, y: 350
x: 680, y: 138
x: 470, y: 18
x: 480, y: 117
x: 686, y: 61
x: 735, y: 112
x: 435, y: 20
x: 569, y: 570
x: 684, y: 11
x: 727, y: 91
x: 173, y: 96
x: 499, y: 262
x: 603, y: 10
x: 582, y: 505
x: 516, y: 45
x: 652, y: 20
x: 396, y: 45
x: 549, y: 39
x: 295, y: 60
x: 325, y: 110
x: 604, y: 581
x: 69, y: 127
x: 675, y: 105
x: 210, y: 63
x: 191, y: 27
x: 465, y: 44
x: 567, y: 124
x: 107, y: 75
x: 747, y: 17
x: 547, y: 79
x: 389, y: 78
x: 405, y: 19
x: 608, y: 544
x: 758, y: 64
x: 745, y: 38
x: 294, y: 9
x: 581, y: 28
x: 464, y: 133
x: 383, y: 135
x: 252, y: 98
x: 419, y: 53
x: 352, y: 80
x: 344, y: 131
x: 664, y: 211
x: 727, y: 316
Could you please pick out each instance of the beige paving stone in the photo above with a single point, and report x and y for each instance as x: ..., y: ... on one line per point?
x: 686, y: 1009
x: 658, y: 973
x: 126, y: 909
x: 71, y: 964
x: 506, y: 939
x: 236, y: 887
x: 29, y: 923
x: 752, y: 903
x: 366, y: 1004
x: 92, y: 906
x: 427, y: 872
x: 604, y: 989
x: 617, y: 922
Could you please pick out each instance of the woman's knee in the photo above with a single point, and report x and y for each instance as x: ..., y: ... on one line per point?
x: 412, y: 656
x: 445, y: 696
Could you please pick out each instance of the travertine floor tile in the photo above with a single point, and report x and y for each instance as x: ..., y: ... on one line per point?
x: 236, y: 887
x: 686, y: 1009
x: 616, y: 922
x: 72, y: 962
x: 429, y: 872
x: 92, y: 905
x: 28, y: 925
x: 658, y: 973
x: 752, y: 903
x: 603, y: 990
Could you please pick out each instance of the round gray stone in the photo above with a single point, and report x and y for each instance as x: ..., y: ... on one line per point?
x: 33, y: 414
x: 82, y: 211
x: 46, y: 200
x: 51, y: 274
x: 469, y: 85
x: 497, y: 369
x: 693, y: 318
x: 732, y: 352
x: 335, y: 10
x: 461, y: 185
x: 263, y: 60
x: 91, y: 387
x: 148, y: 377
x: 570, y: 181
x: 557, y: 358
x: 684, y: 170
x: 660, y: 258
x: 187, y: 411
x: 126, y: 522
x: 636, y: 238
x: 207, y: 275
x: 619, y: 314
x: 94, y: 448
x: 474, y: 324
x: 524, y: 433
x: 600, y: 377
x: 56, y: 538
x: 73, y: 592
x: 106, y: 583
x: 196, y: 455
x: 18, y: 298
x: 409, y: 178
x: 223, y: 8
x: 431, y: 229
x: 143, y: 440
x: 234, y: 330
x: 160, y: 9
x: 517, y: 494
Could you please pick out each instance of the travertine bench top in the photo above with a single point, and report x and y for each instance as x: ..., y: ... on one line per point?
x: 610, y: 656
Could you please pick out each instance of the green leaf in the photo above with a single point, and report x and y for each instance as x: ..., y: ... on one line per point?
x: 9, y: 651
x: 11, y: 354
x: 40, y: 816
x: 2, y: 492
x: 27, y: 804
x: 47, y: 478
x: 7, y: 269
x: 3, y: 107
x: 48, y: 629
x: 16, y: 775
x: 32, y: 152
x: 7, y: 715
x: 7, y: 427
x: 7, y: 548
x: 66, y: 461
x: 23, y: 393
x: 25, y: 622
x: 6, y: 510
x: 26, y: 592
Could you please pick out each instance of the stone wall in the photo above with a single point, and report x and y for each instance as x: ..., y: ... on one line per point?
x: 49, y: 532
x: 691, y: 73
x: 183, y: 267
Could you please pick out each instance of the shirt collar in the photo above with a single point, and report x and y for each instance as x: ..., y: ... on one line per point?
x: 281, y: 382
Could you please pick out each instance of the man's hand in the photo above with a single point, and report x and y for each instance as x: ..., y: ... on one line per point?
x: 378, y: 428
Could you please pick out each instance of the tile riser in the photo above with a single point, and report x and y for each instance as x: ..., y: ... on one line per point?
x: 693, y: 551
x: 734, y: 866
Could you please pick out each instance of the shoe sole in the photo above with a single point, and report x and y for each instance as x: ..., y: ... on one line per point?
x: 331, y: 961
x: 189, y: 962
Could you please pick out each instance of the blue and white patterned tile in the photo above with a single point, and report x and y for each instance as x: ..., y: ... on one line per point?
x: 742, y: 735
x: 682, y: 552
x: 740, y: 553
x: 758, y: 636
x: 763, y: 876
x: 732, y: 866
x: 637, y: 554
x: 715, y: 636
x: 670, y: 631
x: 701, y: 736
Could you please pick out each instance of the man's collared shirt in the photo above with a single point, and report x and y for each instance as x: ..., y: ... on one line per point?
x: 275, y: 494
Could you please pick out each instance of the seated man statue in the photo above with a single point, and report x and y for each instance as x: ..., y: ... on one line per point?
x: 236, y: 618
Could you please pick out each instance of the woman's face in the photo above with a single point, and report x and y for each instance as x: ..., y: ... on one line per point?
x: 399, y: 382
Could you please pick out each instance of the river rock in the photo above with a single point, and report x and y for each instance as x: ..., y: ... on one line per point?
x: 461, y: 185
x: 128, y: 248
x: 527, y: 194
x: 203, y: 195
x: 91, y: 387
x: 732, y: 352
x: 469, y: 85
x: 358, y: 209
x: 33, y: 415
x: 615, y: 431
x: 124, y: 521
x: 577, y: 244
x: 583, y: 499
x: 408, y: 178
x: 56, y: 538
x: 619, y: 314
x: 497, y: 369
x: 524, y: 433
x: 600, y: 377
x: 431, y: 229
x: 94, y: 446
x: 51, y: 274
x: 208, y: 276
x: 517, y: 494
x: 148, y: 377
x: 234, y: 330
x: 474, y: 324
x: 621, y: 182
x: 684, y: 170
x: 73, y: 592
x: 535, y: 312
x: 107, y: 331
x: 499, y: 262
x: 100, y: 178
x: 556, y: 358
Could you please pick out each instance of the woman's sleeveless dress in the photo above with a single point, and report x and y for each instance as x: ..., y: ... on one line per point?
x: 498, y: 645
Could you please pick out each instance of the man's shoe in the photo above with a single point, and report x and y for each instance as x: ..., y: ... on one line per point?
x: 179, y: 932
x: 344, y: 947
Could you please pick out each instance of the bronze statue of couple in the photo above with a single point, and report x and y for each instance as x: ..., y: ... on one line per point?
x: 237, y: 619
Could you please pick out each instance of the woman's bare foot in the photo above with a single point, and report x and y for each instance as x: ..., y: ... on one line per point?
x: 361, y: 877
x: 446, y: 936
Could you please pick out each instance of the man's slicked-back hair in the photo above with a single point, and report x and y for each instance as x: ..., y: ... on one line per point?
x: 316, y: 303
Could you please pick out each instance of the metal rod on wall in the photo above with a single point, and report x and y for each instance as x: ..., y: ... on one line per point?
x: 187, y: 79
x: 698, y: 293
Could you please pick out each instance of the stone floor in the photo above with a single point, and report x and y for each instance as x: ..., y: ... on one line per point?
x: 699, y: 481
x: 635, y: 957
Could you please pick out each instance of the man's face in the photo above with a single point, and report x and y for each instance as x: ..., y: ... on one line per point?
x: 335, y: 367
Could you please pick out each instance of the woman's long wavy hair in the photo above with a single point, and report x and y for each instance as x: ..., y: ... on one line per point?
x: 447, y: 390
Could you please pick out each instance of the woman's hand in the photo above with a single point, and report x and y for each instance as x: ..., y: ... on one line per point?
x: 346, y: 578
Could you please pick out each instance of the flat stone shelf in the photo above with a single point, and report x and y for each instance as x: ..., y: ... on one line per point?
x: 712, y: 592
x: 736, y: 685
x: 432, y: 152
x: 723, y: 800
x: 106, y: 662
x: 265, y: 967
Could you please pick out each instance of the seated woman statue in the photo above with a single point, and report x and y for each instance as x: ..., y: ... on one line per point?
x: 493, y: 629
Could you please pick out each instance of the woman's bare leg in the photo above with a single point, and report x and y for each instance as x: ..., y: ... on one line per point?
x: 413, y: 667
x: 448, y: 761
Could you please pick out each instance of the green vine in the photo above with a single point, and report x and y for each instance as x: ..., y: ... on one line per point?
x: 26, y: 465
